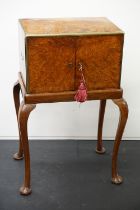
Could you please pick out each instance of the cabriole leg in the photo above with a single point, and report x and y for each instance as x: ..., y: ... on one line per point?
x: 23, y: 115
x: 121, y: 103
x: 100, y: 149
x: 16, y: 95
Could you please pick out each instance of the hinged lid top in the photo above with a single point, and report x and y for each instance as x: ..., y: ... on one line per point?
x: 68, y: 26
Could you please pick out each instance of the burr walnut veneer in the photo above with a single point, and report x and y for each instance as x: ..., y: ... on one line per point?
x: 51, y: 51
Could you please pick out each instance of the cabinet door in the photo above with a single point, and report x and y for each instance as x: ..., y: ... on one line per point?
x: 101, y: 57
x: 50, y: 64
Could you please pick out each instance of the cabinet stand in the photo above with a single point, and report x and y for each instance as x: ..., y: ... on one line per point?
x: 29, y: 102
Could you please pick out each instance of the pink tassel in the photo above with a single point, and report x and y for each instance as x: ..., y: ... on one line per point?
x: 81, y: 94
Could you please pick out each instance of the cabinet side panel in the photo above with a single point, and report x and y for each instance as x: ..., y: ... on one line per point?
x: 51, y: 64
x: 101, y: 56
x: 22, y: 54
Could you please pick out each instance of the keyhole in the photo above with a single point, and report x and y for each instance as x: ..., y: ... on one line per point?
x: 70, y: 65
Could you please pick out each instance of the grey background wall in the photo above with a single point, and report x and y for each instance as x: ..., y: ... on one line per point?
x: 68, y: 120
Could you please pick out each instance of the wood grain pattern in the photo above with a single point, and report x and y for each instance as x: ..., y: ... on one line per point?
x: 51, y: 64
x: 101, y: 57
x: 68, y: 26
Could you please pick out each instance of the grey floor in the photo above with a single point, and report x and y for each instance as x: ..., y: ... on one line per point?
x: 69, y: 175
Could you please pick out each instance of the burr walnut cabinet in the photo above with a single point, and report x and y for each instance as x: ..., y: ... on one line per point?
x: 51, y: 51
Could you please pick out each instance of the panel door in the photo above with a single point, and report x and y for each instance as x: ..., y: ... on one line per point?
x: 50, y: 64
x: 101, y: 57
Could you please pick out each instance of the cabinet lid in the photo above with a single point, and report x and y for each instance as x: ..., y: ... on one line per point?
x: 69, y: 26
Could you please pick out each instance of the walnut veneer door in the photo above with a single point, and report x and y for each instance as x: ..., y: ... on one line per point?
x: 50, y: 64
x: 101, y: 56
